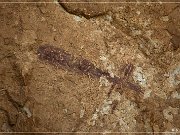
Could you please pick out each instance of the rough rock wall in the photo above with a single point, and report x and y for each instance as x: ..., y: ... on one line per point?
x: 38, y: 97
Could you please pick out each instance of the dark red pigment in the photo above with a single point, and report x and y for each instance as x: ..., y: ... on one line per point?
x: 61, y: 59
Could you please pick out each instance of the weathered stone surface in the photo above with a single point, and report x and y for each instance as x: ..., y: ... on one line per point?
x: 85, y: 8
x: 38, y: 97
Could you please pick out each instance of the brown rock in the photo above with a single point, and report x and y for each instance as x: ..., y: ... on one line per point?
x: 174, y: 28
x: 84, y: 8
x: 176, y: 42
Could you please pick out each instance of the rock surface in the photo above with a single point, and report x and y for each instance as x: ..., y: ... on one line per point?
x: 38, y: 97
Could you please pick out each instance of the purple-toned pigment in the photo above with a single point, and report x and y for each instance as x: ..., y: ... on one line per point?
x: 61, y: 59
